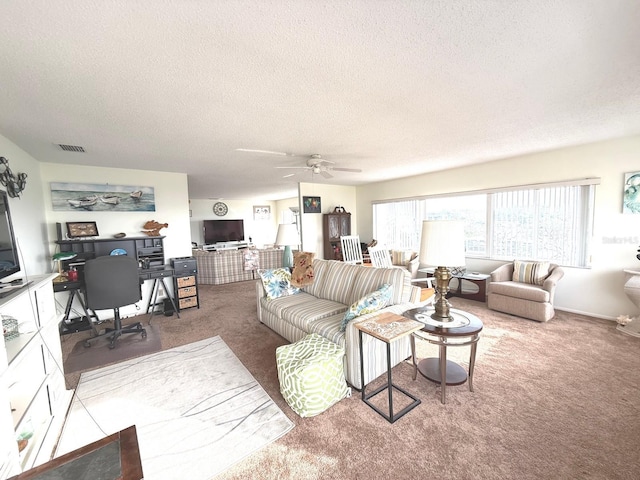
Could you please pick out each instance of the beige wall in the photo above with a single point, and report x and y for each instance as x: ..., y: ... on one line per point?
x: 27, y: 212
x: 331, y: 196
x: 596, y: 291
x: 171, y: 197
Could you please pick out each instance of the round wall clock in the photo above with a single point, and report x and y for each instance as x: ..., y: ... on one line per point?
x: 220, y: 209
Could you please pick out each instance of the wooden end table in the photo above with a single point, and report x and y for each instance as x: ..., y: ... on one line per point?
x: 388, y: 327
x: 463, y: 330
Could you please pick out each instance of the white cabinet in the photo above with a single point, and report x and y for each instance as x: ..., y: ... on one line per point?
x: 33, y: 396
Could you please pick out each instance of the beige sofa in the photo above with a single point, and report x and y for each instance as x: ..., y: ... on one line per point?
x: 228, y: 266
x: 320, y: 307
x: 526, y: 300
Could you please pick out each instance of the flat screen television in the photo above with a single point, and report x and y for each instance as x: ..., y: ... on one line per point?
x: 9, y: 260
x: 216, y: 231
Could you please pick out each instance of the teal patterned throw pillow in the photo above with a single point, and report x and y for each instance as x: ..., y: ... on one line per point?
x: 371, y: 302
x: 277, y: 282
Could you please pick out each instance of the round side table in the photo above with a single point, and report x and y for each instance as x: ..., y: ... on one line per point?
x: 464, y: 329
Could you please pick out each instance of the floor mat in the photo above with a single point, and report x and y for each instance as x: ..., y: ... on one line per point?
x: 99, y: 353
x: 196, y: 408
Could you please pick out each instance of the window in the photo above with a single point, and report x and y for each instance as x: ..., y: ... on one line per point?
x: 543, y: 222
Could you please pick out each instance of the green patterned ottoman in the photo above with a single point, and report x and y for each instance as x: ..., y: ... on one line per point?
x: 311, y: 374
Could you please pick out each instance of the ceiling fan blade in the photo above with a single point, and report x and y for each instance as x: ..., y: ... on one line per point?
x: 356, y: 170
x: 298, y: 168
x: 269, y: 152
x: 325, y: 174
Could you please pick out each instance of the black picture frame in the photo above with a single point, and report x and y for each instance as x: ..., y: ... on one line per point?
x: 82, y: 229
x: 311, y: 205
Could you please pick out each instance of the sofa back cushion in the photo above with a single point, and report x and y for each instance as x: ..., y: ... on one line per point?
x: 369, y: 279
x: 346, y: 283
x: 336, y: 282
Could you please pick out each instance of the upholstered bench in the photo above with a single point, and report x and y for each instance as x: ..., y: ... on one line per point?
x: 311, y: 374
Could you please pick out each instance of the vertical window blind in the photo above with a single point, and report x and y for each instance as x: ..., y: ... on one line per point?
x: 552, y: 222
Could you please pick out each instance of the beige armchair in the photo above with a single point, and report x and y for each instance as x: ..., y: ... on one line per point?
x: 527, y: 296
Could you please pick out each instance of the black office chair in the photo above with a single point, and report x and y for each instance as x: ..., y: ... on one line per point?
x: 113, y: 282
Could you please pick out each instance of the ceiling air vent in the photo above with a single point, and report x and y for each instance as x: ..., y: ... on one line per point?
x: 71, y: 148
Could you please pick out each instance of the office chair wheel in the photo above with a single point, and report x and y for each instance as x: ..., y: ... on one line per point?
x: 144, y: 334
x: 87, y: 344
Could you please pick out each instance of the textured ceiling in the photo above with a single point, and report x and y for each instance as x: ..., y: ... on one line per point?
x: 394, y: 87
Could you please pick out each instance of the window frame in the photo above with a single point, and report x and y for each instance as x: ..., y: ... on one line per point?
x: 585, y: 218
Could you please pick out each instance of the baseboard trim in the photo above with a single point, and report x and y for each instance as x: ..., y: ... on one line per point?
x: 586, y: 314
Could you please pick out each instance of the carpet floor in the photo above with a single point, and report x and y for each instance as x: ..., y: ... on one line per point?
x: 555, y: 400
x: 183, y: 432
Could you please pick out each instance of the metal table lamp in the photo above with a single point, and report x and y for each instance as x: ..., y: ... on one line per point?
x: 442, y: 246
x: 287, y: 236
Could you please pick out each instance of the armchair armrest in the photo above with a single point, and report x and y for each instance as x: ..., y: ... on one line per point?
x: 413, y: 266
x: 260, y: 292
x: 552, y: 280
x: 503, y: 273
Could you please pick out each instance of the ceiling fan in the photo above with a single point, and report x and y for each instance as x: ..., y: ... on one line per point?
x: 322, y: 166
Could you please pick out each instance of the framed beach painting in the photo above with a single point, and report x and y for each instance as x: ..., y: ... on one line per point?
x: 631, y: 193
x: 89, y: 197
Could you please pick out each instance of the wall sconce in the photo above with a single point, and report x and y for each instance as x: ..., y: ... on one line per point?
x: 14, y: 184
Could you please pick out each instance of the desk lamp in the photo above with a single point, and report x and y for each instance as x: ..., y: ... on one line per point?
x: 287, y: 236
x: 61, y: 257
x: 442, y: 246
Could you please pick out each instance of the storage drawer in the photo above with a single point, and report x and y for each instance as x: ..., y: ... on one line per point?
x: 187, y: 302
x: 187, y: 292
x: 186, y: 281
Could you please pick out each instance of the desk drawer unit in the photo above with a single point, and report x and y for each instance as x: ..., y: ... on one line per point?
x: 187, y: 292
x: 187, y: 302
x: 185, y: 283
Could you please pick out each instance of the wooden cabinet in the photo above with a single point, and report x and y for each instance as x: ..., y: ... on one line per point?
x: 33, y: 395
x: 335, y: 225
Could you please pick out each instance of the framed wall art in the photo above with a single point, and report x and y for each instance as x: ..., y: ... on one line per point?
x: 311, y: 205
x: 631, y: 193
x: 80, y: 197
x: 261, y: 212
x: 82, y: 229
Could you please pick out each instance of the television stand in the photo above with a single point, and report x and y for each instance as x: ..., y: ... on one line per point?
x: 225, y: 246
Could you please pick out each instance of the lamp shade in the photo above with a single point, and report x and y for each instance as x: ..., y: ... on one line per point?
x: 287, y: 235
x: 442, y: 243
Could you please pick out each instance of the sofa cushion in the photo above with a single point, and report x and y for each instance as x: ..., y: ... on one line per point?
x: 302, y: 315
x: 330, y: 328
x: 372, y: 302
x: 320, y: 270
x: 277, y: 282
x: 530, y: 272
x: 280, y: 304
x: 302, y: 274
x: 525, y: 291
x: 334, y: 281
x: 369, y: 279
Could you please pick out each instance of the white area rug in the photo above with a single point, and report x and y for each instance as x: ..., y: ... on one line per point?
x: 196, y: 408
